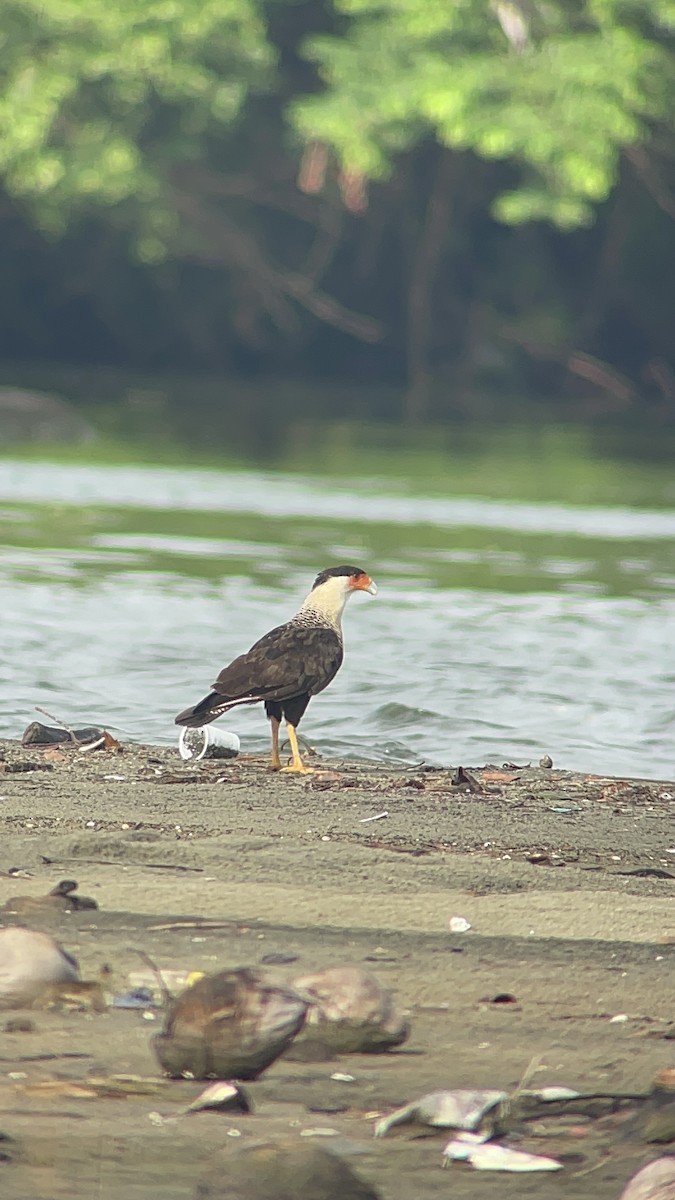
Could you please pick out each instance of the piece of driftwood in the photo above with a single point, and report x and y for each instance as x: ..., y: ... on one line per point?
x: 62, y: 898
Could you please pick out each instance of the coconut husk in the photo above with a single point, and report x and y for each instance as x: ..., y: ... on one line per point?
x: 350, y: 1011
x: 228, y: 1026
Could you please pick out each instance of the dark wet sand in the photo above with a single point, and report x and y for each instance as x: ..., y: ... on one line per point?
x: 583, y: 933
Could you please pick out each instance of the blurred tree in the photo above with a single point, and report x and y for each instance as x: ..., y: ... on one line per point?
x: 280, y: 167
x: 559, y: 89
x: 136, y: 109
x: 99, y: 100
x: 556, y: 89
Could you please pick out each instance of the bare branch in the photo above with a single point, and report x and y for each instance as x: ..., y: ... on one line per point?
x: 232, y: 246
x: 648, y: 174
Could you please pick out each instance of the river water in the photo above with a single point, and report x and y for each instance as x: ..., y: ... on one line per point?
x: 502, y: 631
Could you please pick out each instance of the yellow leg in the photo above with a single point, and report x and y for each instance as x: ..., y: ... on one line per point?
x: 276, y: 761
x: 297, y: 766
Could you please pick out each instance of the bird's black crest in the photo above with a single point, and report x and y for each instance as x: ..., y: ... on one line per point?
x: 323, y: 576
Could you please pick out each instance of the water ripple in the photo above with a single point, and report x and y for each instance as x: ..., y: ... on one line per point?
x: 270, y: 494
x: 507, y: 653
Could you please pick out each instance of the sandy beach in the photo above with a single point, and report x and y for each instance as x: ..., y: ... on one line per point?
x: 566, y: 881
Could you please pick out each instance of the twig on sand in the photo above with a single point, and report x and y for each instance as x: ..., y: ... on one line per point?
x: 504, y: 1110
x: 71, y: 734
x: 189, y: 925
x: 167, y: 997
x: 111, y: 862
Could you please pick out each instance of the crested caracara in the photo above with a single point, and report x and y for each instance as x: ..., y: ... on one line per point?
x: 290, y: 664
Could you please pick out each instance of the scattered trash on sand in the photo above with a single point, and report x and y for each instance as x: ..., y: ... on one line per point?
x: 350, y: 1011
x: 234, y: 1024
x: 220, y: 1097
x: 207, y: 742
x: 460, y: 1109
x: 459, y: 925
x: 489, y: 1156
x: 157, y: 981
x: 231, y: 1025
x: 31, y: 961
x: 135, y: 998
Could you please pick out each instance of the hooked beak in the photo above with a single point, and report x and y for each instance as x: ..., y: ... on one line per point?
x: 363, y: 583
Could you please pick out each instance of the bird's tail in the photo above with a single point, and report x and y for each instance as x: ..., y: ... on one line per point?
x: 204, y: 712
x: 212, y: 706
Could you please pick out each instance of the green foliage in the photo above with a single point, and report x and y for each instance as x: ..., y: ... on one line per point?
x: 554, y: 88
x: 98, y: 97
x: 172, y: 130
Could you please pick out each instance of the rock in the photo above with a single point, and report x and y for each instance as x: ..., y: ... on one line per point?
x: 37, y: 734
x: 656, y: 1181
x: 350, y: 1011
x: 284, y: 1170
x: 31, y: 961
x: 656, y: 1121
x: 228, y: 1026
x: 39, y: 417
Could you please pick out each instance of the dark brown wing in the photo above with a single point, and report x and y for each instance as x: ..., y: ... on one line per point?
x: 291, y: 660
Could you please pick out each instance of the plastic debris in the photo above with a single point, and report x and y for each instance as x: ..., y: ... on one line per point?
x: 220, y: 1097
x: 459, y: 925
x: 490, y: 1156
x: 460, y: 1109
x: 550, y: 1094
x: 140, y: 997
x: 174, y: 981
x: 207, y: 742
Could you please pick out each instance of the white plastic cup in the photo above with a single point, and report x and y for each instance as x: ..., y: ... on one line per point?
x: 207, y: 742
